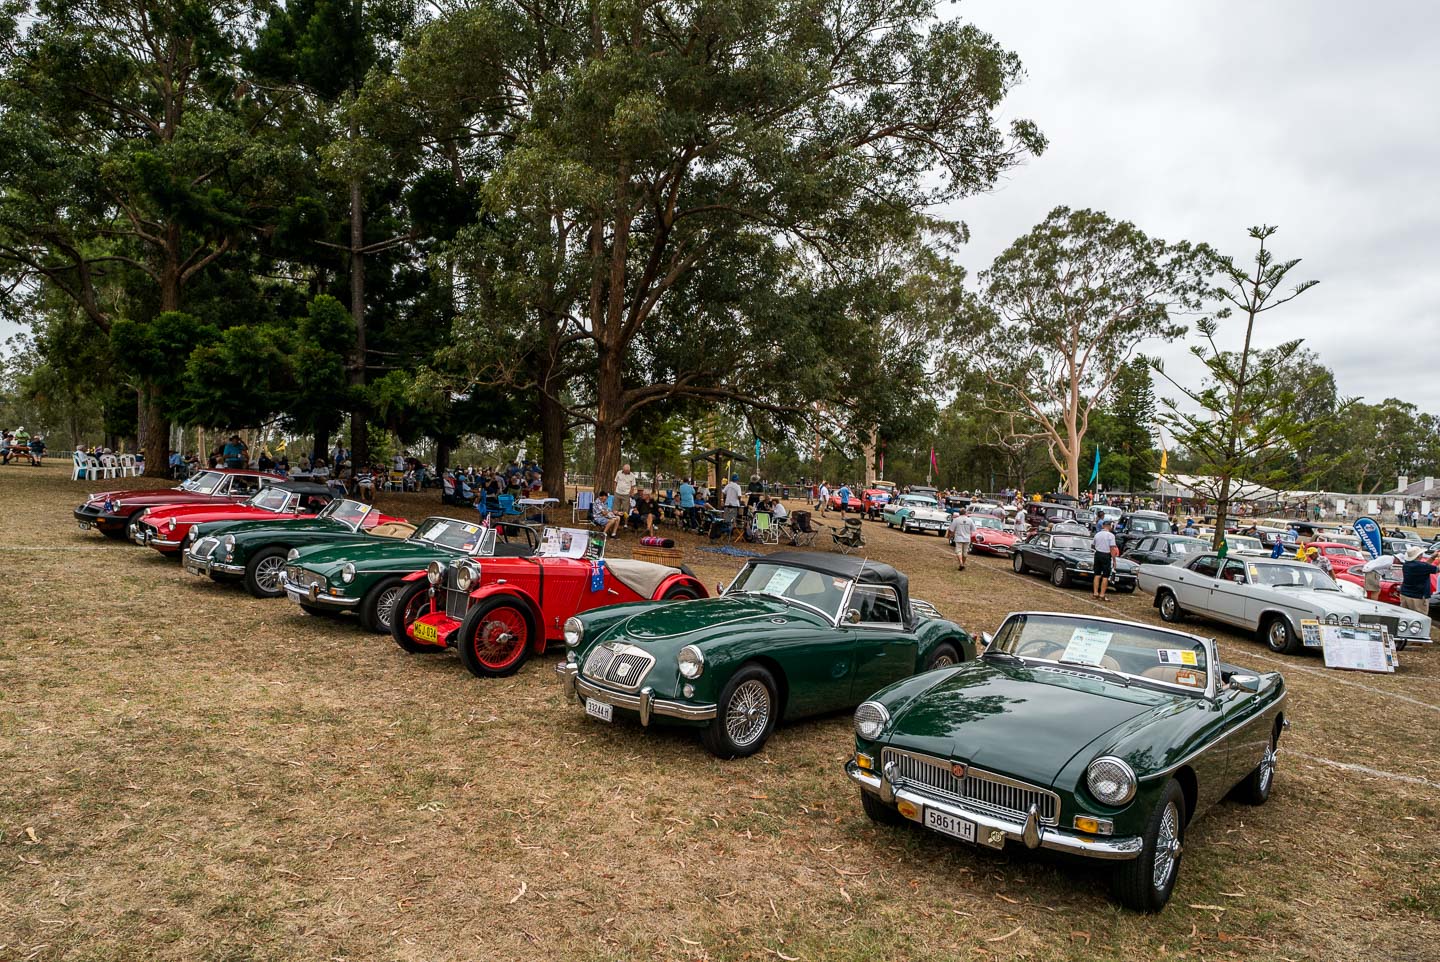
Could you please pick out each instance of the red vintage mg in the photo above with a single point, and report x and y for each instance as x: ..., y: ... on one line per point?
x: 164, y: 528
x: 496, y: 612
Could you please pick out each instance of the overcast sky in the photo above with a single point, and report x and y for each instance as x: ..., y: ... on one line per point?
x: 1196, y: 121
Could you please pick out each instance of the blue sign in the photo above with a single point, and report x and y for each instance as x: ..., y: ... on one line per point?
x: 597, y: 576
x: 1369, y: 534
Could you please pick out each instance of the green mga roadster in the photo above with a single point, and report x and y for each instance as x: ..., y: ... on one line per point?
x: 794, y: 634
x: 1090, y: 736
x: 253, y: 552
x: 369, y: 576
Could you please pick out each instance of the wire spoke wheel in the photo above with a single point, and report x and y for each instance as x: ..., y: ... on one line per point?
x: 1267, y: 768
x: 748, y: 713
x: 500, y: 638
x: 385, y: 606
x: 1167, y: 847
x: 267, y: 573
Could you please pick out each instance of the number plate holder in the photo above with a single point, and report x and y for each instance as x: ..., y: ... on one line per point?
x: 947, y: 824
x: 599, y: 710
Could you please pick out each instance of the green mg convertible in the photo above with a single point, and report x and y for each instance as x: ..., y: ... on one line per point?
x: 794, y: 634
x: 368, y: 576
x: 1089, y: 736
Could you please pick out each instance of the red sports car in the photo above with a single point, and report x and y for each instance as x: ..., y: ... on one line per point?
x: 1342, y: 557
x: 498, y: 611
x: 110, y: 512
x: 165, y: 528
x: 1389, y: 584
x: 854, y: 504
x: 990, y: 537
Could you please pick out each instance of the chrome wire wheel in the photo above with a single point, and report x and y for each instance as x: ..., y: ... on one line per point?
x: 942, y: 660
x: 267, y: 572
x: 748, y: 713
x: 385, y: 605
x: 1267, y: 767
x: 1167, y: 847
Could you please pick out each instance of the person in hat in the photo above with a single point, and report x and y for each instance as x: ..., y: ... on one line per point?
x: 1106, y: 551
x: 235, y: 453
x: 1415, y: 579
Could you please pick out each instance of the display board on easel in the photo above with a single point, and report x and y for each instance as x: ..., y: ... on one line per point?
x: 1352, y: 648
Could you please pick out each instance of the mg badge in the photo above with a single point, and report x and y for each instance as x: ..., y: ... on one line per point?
x: 623, y: 671
x: 958, y: 770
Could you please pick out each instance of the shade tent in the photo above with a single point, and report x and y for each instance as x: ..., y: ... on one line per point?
x: 717, y: 457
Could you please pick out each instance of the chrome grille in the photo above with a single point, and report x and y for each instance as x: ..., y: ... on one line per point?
x: 628, y: 668
x: 301, y: 578
x: 599, y: 660
x: 204, y: 546
x: 457, y: 602
x: 1390, y: 623
x: 980, y: 790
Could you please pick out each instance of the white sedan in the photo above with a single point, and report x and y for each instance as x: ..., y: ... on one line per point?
x: 1271, y: 596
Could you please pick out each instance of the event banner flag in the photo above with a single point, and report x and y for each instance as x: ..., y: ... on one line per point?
x: 1369, y: 534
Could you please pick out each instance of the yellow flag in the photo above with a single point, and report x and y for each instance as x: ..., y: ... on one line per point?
x: 1164, y: 459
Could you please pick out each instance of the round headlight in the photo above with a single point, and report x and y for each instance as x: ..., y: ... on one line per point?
x: 170, y: 524
x: 192, y: 534
x: 1110, y: 780
x: 1347, y: 620
x: 692, y: 661
x: 465, y: 575
x: 435, y: 571
x: 1332, y: 619
x: 870, y: 720
x: 229, y: 542
x: 347, y: 572
x: 574, y: 632
x: 292, y: 554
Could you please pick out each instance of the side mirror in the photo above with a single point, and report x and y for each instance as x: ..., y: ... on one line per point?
x: 853, y: 616
x: 1250, y: 683
x: 719, y: 588
x: 986, y: 640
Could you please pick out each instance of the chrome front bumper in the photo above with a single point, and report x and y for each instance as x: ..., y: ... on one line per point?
x: 312, y: 595
x: 205, y: 566
x: 992, y: 832
x: 643, y: 701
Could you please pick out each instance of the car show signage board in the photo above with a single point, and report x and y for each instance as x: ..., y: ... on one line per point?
x: 1363, y: 648
x: 1369, y: 534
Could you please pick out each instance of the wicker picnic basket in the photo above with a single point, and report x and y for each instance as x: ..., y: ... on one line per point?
x: 660, y: 556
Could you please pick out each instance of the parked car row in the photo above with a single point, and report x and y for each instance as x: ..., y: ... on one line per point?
x: 1091, y: 736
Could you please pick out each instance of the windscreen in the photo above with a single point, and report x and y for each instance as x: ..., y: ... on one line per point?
x: 813, y: 589
x: 1133, y: 650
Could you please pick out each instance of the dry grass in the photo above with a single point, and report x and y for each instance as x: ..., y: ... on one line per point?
x: 187, y: 773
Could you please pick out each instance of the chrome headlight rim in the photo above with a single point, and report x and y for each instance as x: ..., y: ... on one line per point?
x: 228, y: 542
x: 466, y: 574
x: 1332, y: 619
x: 574, y: 632
x: 192, y: 535
x: 435, y: 572
x: 347, y: 572
x: 871, y: 719
x: 691, y: 662
x: 170, y: 525
x: 1124, y: 779
x: 292, y: 554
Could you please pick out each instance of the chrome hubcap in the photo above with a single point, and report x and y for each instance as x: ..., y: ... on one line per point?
x: 1167, y: 847
x: 748, y: 713
x: 1168, y: 606
x: 943, y: 661
x: 385, y: 606
x: 267, y: 573
x: 1277, y: 634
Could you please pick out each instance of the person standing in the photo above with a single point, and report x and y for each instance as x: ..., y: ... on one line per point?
x: 1105, y: 552
x: 235, y: 453
x: 624, y: 486
x: 1415, y: 579
x: 960, y: 531
x: 824, y: 501
x: 844, y: 494
x: 687, y: 503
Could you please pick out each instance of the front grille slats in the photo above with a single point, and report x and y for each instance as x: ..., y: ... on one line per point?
x: 624, y: 666
x: 301, y: 578
x: 981, y: 790
x: 204, y: 546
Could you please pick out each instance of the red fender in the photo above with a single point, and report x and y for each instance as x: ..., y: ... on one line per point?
x: 680, y: 580
x: 414, y: 576
x: 527, y: 604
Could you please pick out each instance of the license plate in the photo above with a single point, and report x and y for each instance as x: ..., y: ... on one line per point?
x: 600, y: 710
x: 194, y: 567
x: 424, y: 632
x: 84, y: 525
x: 947, y: 824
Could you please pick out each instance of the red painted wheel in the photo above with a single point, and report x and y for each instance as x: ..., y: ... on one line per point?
x: 495, y: 639
x: 410, y: 606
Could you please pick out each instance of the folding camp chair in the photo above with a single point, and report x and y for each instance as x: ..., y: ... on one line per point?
x: 847, y: 537
x: 584, y: 501
x: 799, y: 530
x: 765, y: 531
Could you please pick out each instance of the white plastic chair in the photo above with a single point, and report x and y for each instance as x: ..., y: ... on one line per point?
x: 128, y: 468
x: 77, y: 461
x: 109, y: 467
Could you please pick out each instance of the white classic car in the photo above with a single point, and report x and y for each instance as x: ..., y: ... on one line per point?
x: 1271, y: 596
x: 916, y: 512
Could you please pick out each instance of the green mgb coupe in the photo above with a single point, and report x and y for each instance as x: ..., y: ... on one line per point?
x: 254, y: 552
x: 1091, y: 736
x: 794, y: 634
x: 369, y: 576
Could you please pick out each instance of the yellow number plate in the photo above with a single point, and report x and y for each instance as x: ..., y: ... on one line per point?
x: 424, y: 632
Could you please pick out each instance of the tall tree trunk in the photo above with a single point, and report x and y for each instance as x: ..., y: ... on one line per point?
x: 152, y: 426
x: 359, y: 412
x: 609, y: 417
x: 552, y: 442
x: 442, y: 459
x: 869, y: 448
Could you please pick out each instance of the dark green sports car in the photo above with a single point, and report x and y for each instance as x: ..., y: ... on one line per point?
x: 1091, y: 736
x: 795, y: 634
x: 254, y: 551
x: 369, y: 576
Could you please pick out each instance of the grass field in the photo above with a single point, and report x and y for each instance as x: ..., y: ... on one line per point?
x: 187, y: 773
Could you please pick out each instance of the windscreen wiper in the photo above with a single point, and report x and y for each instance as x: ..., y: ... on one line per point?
x: 1108, y: 671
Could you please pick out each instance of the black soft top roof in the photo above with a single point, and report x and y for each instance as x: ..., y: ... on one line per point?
x: 303, y: 487
x: 843, y: 566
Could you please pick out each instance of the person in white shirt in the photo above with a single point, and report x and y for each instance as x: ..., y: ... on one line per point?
x: 730, y: 498
x: 960, y: 530
x: 1105, y: 552
x: 624, y: 483
x: 1374, y: 571
x: 1020, y: 523
x: 778, y: 511
x: 824, y: 498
